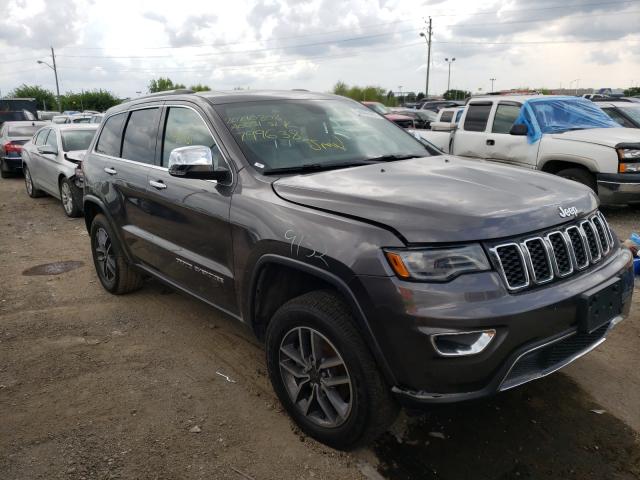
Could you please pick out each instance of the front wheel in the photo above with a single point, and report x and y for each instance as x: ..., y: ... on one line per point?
x: 115, y: 274
x: 323, y: 373
x: 579, y: 175
x: 71, y: 198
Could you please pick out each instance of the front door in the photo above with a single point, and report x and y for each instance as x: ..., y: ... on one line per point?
x: 470, y: 140
x: 504, y: 147
x: 189, y: 219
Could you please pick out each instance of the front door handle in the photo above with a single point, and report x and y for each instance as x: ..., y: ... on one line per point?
x: 491, y: 142
x: 110, y: 171
x: 158, y: 185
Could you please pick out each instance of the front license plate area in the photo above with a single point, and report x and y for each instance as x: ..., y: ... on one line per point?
x: 599, y: 305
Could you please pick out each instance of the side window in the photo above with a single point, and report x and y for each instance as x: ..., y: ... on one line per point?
x: 140, y: 135
x: 109, y: 141
x: 618, y: 117
x: 447, y: 116
x: 506, y: 115
x: 41, y: 136
x: 458, y: 115
x: 52, y: 139
x: 184, y: 127
x: 477, y: 117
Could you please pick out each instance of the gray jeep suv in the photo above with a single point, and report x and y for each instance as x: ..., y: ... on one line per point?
x: 377, y: 271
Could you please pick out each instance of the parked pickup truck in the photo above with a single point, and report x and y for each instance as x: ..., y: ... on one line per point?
x: 567, y: 136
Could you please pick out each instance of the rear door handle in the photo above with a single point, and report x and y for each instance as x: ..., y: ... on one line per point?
x: 491, y: 142
x: 110, y: 171
x: 158, y: 185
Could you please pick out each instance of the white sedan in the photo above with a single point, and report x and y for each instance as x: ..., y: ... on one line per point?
x: 51, y: 163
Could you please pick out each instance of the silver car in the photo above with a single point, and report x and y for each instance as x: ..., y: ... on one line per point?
x: 51, y: 163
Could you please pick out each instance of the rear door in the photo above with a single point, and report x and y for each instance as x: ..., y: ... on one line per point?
x: 127, y: 164
x: 48, y: 164
x: 189, y: 219
x: 504, y: 147
x: 470, y: 138
x: 36, y: 160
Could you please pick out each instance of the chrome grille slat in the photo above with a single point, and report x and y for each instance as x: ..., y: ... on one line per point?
x: 558, y: 254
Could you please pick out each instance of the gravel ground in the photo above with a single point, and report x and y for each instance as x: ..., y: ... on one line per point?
x: 98, y: 386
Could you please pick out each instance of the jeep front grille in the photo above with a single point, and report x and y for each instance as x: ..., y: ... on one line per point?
x: 558, y: 253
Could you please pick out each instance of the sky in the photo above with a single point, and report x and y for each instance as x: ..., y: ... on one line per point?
x: 120, y: 45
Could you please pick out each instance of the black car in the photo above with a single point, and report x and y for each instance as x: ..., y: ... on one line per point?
x: 421, y: 118
x: 13, y: 135
x: 376, y: 271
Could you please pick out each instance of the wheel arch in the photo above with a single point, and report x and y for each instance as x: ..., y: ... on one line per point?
x: 93, y: 206
x: 554, y: 166
x: 302, y: 278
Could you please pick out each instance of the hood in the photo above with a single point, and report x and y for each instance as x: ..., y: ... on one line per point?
x: 609, y: 137
x: 441, y: 199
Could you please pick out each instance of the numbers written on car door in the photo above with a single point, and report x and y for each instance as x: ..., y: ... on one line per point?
x: 190, y: 217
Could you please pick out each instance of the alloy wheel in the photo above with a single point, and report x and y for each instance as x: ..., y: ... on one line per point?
x: 28, y: 182
x: 315, y: 377
x: 105, y: 256
x: 67, y: 198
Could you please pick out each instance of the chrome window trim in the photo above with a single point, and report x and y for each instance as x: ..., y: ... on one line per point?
x: 567, y: 246
x: 160, y: 167
x: 547, y: 255
x: 495, y: 253
x: 585, y: 246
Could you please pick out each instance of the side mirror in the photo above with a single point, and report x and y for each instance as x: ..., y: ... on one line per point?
x: 196, y: 161
x: 74, y: 156
x: 48, y: 150
x: 519, y: 129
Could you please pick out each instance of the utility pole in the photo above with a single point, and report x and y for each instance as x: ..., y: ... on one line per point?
x: 55, y: 72
x: 492, y: 80
x: 427, y: 37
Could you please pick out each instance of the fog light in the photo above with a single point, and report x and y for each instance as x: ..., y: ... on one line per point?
x: 462, y: 343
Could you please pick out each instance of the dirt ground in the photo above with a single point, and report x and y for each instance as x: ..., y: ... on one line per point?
x: 156, y: 385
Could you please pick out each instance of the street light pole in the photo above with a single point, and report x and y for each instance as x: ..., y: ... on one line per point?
x: 449, y: 76
x: 427, y: 38
x: 55, y: 73
x: 492, y: 80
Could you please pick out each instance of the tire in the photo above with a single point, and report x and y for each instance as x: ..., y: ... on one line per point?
x: 115, y: 274
x: 32, y: 190
x: 3, y: 172
x: 365, y: 402
x: 70, y: 198
x: 579, y: 175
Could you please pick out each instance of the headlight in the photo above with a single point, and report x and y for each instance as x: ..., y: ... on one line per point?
x: 629, y: 160
x: 437, y: 264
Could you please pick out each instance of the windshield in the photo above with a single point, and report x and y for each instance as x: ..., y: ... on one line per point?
x: 632, y: 112
x: 76, y: 139
x: 59, y: 120
x: 81, y: 120
x: 23, y: 130
x: 297, y: 133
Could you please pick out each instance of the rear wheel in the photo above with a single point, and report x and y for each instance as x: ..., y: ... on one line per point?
x: 323, y: 373
x: 579, y: 175
x: 115, y: 274
x: 32, y: 191
x: 4, y: 171
x: 71, y: 198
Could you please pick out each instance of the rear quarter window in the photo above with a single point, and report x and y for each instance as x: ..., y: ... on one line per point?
x: 477, y: 117
x: 446, y: 116
x: 111, y: 136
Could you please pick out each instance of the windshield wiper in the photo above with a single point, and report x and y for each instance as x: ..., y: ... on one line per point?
x: 314, y: 167
x: 392, y: 158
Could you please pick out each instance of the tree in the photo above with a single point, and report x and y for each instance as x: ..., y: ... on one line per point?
x: 368, y: 94
x: 41, y: 95
x: 199, y: 88
x: 163, y: 84
x: 456, y: 94
x: 341, y: 88
x: 99, y: 100
x: 420, y: 96
x: 632, y: 92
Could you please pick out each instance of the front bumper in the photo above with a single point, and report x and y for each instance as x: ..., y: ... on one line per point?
x: 12, y: 163
x: 619, y: 188
x: 536, y: 331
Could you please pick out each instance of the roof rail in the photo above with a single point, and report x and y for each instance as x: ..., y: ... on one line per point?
x: 610, y: 99
x: 179, y: 91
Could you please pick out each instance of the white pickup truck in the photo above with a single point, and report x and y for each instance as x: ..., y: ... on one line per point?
x: 567, y: 136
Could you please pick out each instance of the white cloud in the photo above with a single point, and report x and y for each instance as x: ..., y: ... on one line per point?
x: 314, y: 43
